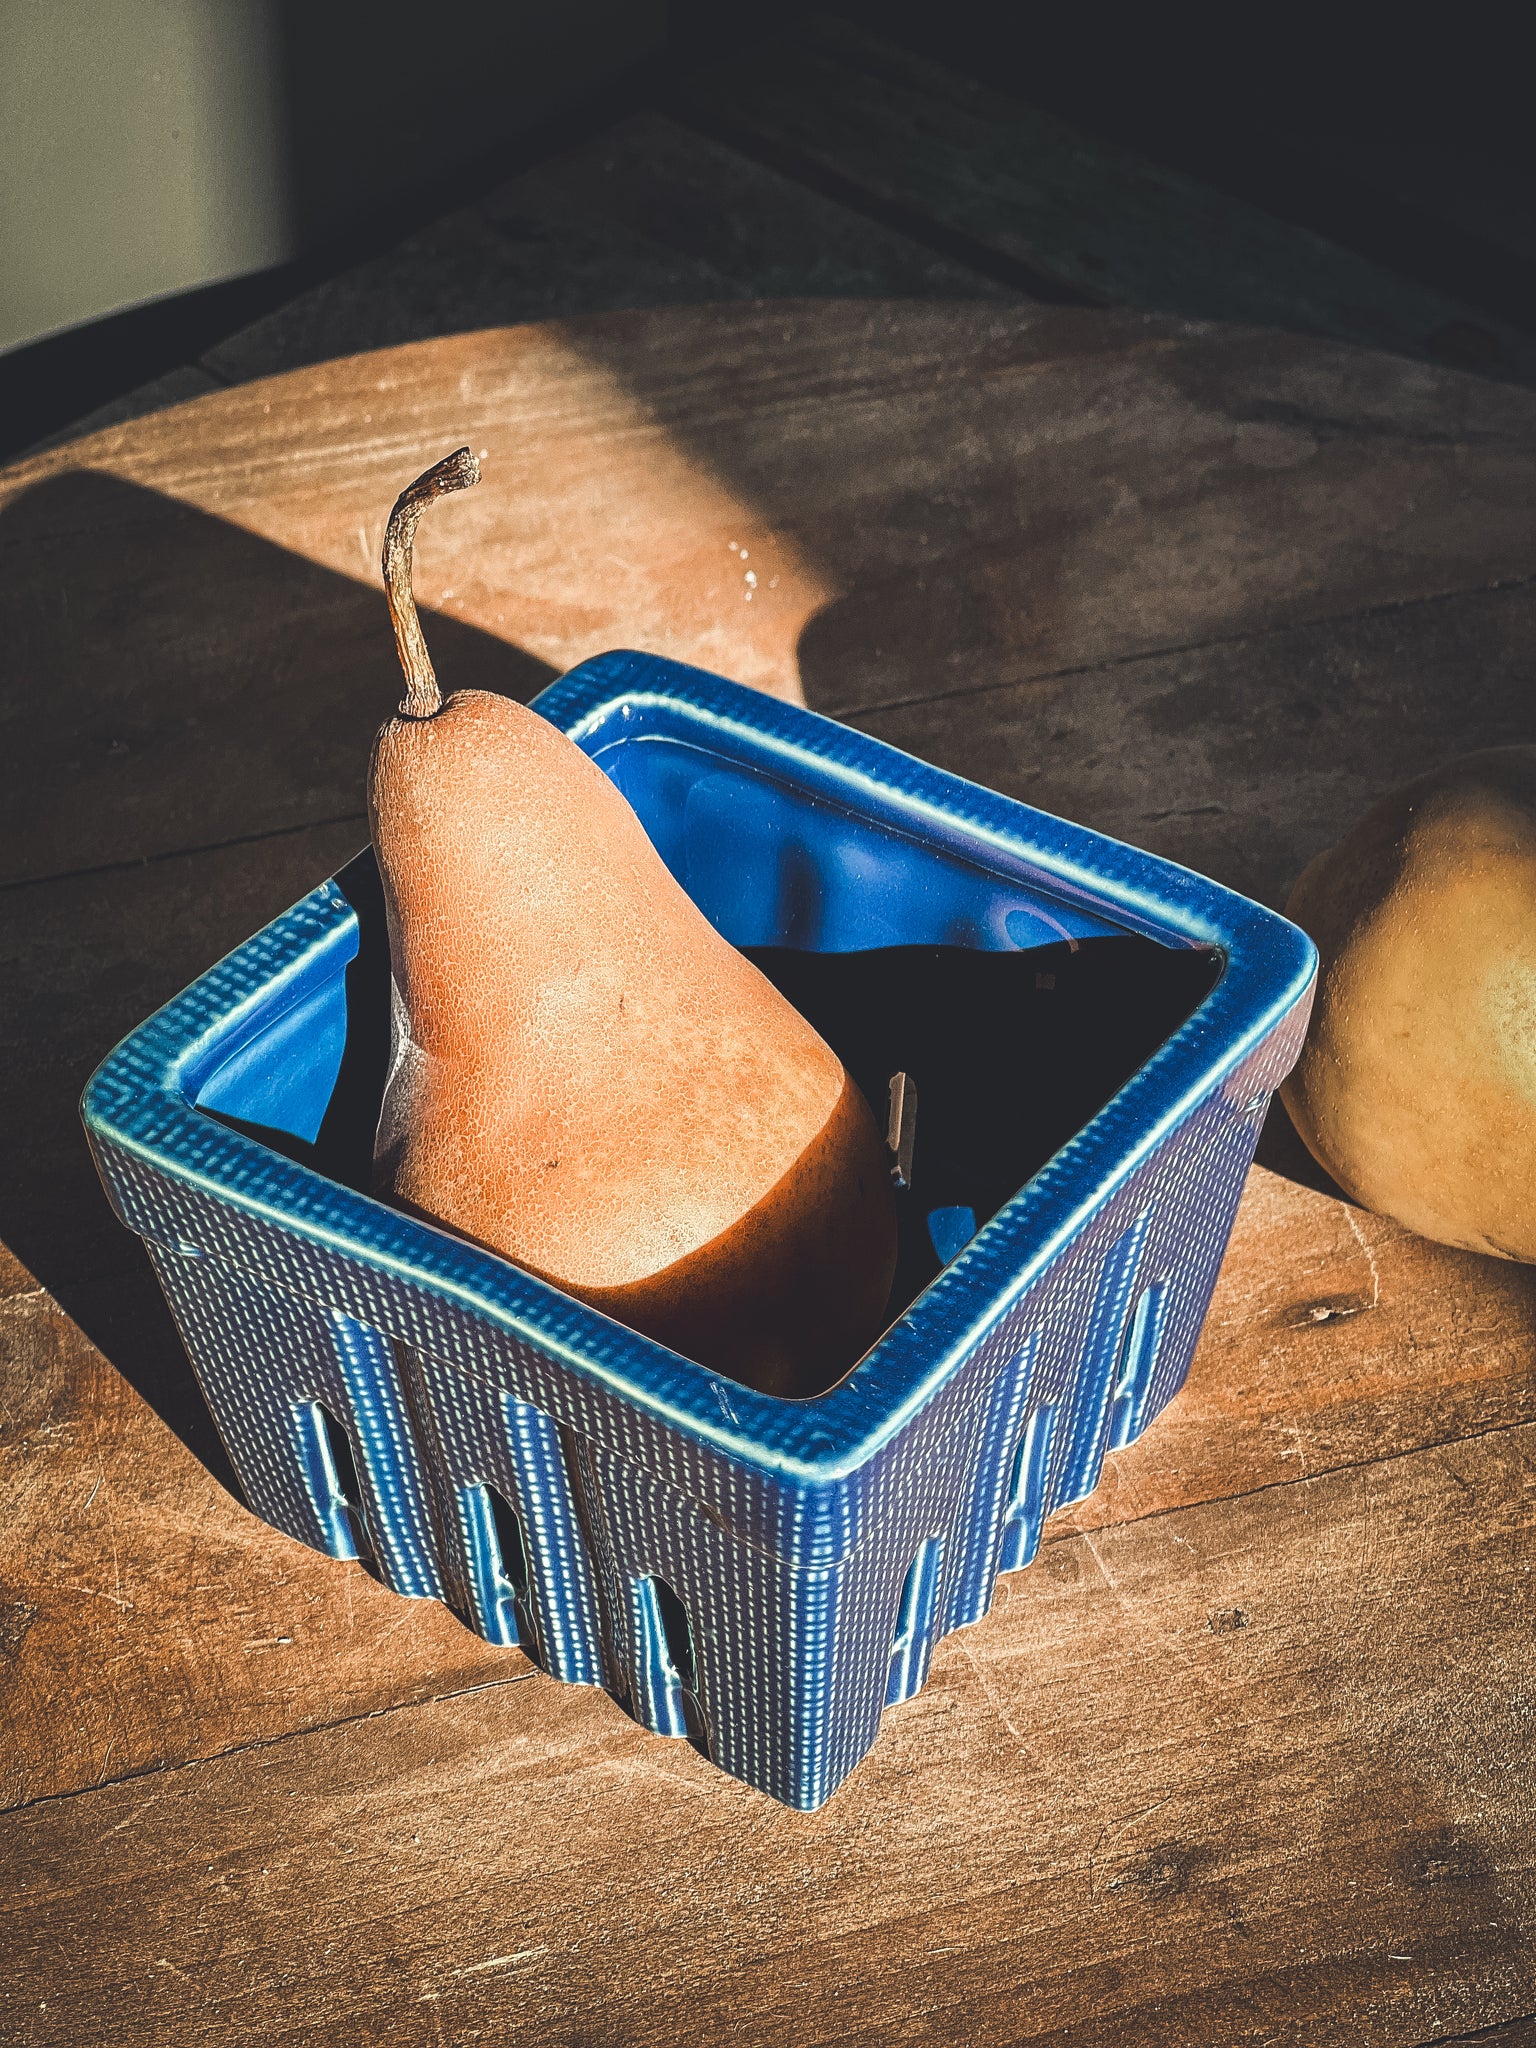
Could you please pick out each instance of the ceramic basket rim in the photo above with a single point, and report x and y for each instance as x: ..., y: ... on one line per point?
x: 140, y: 1099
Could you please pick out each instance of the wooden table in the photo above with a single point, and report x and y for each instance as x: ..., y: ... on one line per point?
x: 1247, y: 1755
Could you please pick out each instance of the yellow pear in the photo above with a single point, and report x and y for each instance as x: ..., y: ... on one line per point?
x: 1417, y: 1085
x: 587, y: 1078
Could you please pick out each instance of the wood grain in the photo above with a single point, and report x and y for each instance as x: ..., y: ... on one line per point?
x: 175, y: 682
x: 648, y: 213
x: 174, y: 387
x: 1049, y: 201
x: 84, y: 960
x: 145, y: 1616
x: 1175, y: 1788
x: 1244, y: 759
x: 933, y: 498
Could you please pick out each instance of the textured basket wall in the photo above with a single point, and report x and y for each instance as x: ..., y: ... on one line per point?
x: 760, y: 1575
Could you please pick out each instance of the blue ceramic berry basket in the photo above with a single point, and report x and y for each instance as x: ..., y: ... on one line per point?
x: 761, y: 1575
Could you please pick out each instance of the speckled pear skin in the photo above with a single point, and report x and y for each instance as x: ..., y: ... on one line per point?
x: 589, y: 1080
x: 1417, y: 1085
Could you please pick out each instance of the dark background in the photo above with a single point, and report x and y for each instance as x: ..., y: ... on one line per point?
x: 1409, y: 142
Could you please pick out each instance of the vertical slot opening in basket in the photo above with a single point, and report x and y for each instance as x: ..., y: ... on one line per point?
x: 1027, y: 1503
x: 1129, y: 1414
x: 914, y: 1623
x: 666, y: 1699
x: 511, y: 1551
x: 331, y: 1469
x: 499, y: 1570
x: 1102, y: 1365
x: 906, y: 1612
x: 677, y: 1634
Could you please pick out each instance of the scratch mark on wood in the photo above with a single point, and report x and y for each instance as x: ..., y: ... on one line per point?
x: 521, y: 1955
x: 1093, y: 1552
x: 992, y: 1697
x: 1370, y: 1257
x: 95, y: 1592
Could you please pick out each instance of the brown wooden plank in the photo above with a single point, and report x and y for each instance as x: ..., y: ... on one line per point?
x: 145, y: 1616
x: 82, y: 962
x: 452, y: 276
x: 933, y: 498
x: 999, y: 495
x: 646, y: 214
x: 1113, y: 1814
x: 176, y: 682
x: 1245, y: 759
x: 1048, y: 200
x: 174, y: 387
x: 86, y: 959
x: 667, y: 189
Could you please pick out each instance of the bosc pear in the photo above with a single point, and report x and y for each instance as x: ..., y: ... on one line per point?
x: 1416, y: 1088
x: 586, y: 1077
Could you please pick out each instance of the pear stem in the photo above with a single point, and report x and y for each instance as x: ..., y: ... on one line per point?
x: 423, y: 698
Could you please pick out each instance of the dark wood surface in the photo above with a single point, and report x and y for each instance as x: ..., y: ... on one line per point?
x: 1037, y: 202
x: 1247, y: 1755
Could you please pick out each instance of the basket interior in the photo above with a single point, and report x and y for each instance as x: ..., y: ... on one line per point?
x: 1016, y: 1014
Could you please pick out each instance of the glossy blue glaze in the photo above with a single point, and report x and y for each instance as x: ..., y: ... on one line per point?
x: 811, y: 1553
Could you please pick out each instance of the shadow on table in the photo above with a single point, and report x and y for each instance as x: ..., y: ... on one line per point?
x: 1110, y: 572
x: 185, y: 717
x: 1281, y: 1150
